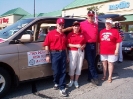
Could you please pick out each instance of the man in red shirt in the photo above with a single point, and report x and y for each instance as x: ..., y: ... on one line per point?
x: 55, y: 45
x: 90, y: 31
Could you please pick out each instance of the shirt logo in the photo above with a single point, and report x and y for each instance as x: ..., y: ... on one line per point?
x: 106, y: 36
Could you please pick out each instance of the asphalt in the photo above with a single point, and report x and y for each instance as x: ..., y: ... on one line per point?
x: 120, y: 88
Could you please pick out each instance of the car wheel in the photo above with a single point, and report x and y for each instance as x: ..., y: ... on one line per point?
x: 5, y: 82
x: 99, y: 66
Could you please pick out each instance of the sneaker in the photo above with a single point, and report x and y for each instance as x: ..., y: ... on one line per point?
x: 56, y: 87
x: 76, y: 84
x: 63, y: 93
x: 70, y: 83
x: 95, y: 81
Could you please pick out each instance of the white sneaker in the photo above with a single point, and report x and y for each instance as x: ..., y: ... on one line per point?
x: 70, y: 83
x: 63, y: 93
x: 55, y: 87
x: 76, y: 84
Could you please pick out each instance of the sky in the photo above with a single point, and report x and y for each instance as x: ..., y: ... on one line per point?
x: 41, y: 6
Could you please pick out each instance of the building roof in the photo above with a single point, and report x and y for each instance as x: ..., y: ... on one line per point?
x: 52, y: 14
x: 18, y: 11
x: 49, y: 14
x: 129, y: 17
x: 78, y: 3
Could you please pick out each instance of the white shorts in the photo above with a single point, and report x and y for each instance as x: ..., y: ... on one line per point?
x: 109, y: 58
x: 76, y: 62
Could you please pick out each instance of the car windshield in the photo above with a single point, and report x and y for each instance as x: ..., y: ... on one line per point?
x: 12, y: 29
x: 128, y: 36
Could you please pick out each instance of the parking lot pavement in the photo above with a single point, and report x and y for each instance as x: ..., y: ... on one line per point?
x: 120, y: 88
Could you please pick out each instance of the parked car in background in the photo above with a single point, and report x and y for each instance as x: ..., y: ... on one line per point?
x: 127, y: 45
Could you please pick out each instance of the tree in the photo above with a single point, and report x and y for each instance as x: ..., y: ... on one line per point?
x: 95, y: 8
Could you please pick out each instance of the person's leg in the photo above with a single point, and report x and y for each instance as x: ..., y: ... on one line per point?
x: 104, y: 69
x: 110, y: 69
x: 62, y: 71
x: 72, y: 66
x: 55, y: 66
x: 90, y: 57
x: 111, y: 60
x: 78, y: 68
x: 87, y: 54
x: 104, y: 59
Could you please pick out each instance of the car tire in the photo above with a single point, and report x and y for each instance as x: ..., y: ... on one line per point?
x: 99, y: 66
x: 5, y: 82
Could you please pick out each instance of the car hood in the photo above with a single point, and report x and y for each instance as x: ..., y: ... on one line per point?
x: 127, y: 43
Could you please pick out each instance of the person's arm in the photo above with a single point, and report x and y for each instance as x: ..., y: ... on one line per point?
x: 97, y: 43
x: 74, y: 45
x: 117, y: 42
x: 46, y: 48
x: 117, y: 48
x: 68, y: 29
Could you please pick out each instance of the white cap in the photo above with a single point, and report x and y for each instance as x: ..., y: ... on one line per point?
x: 109, y: 21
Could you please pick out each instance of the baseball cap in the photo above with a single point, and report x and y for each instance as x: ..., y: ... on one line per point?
x: 60, y: 21
x: 76, y: 23
x: 117, y: 25
x: 109, y: 21
x: 90, y: 13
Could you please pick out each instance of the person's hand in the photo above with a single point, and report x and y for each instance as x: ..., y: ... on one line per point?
x: 116, y: 52
x: 78, y: 46
x: 82, y: 47
x: 47, y: 58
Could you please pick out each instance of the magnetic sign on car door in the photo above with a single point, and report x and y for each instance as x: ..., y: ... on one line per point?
x: 36, y: 57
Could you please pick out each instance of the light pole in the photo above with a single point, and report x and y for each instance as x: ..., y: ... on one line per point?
x: 34, y: 8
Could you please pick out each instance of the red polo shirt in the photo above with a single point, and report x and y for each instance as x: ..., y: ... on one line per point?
x: 56, y: 40
x: 74, y: 38
x: 90, y: 31
x: 108, y: 40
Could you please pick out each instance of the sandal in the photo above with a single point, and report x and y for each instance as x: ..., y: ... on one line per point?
x: 104, y: 78
x: 109, y: 80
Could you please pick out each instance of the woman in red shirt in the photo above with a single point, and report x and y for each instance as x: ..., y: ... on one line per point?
x: 76, y: 45
x: 109, y: 40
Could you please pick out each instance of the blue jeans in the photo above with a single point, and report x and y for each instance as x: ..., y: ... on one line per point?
x: 58, y: 60
x: 90, y: 55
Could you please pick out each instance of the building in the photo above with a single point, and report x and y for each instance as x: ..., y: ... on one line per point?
x: 122, y: 7
x: 76, y: 8
x: 11, y: 17
x: 16, y: 14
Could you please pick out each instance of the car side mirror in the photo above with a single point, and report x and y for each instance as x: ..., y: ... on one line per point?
x: 25, y: 38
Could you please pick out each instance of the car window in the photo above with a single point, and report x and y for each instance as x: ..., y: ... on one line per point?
x: 128, y: 37
x: 12, y: 29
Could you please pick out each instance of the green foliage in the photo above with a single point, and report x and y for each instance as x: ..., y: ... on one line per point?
x: 95, y: 8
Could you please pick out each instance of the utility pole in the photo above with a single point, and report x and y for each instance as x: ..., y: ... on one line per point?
x: 34, y: 8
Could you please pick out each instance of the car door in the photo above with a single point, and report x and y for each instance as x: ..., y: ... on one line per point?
x: 32, y: 61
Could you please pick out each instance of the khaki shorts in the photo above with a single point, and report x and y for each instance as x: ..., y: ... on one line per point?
x: 109, y: 58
